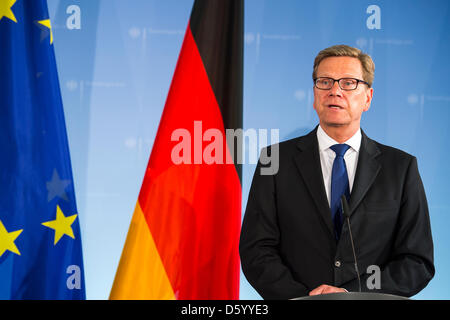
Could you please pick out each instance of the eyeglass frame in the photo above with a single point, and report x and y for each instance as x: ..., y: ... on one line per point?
x: 338, y: 81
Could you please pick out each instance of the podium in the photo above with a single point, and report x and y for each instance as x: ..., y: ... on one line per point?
x: 353, y: 296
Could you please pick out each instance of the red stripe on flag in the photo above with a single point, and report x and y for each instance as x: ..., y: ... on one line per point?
x: 193, y: 210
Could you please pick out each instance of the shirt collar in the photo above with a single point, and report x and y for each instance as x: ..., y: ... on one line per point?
x: 325, y: 141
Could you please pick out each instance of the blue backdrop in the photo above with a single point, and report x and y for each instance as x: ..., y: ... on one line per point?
x: 116, y: 60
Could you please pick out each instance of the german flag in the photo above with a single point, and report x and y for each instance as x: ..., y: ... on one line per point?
x: 184, y: 235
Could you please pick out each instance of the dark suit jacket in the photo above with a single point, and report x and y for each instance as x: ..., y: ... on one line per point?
x: 287, y: 246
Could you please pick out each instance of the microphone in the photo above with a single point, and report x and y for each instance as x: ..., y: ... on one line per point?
x: 346, y: 212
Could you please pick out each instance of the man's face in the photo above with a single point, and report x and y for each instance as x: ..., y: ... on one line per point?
x: 336, y: 107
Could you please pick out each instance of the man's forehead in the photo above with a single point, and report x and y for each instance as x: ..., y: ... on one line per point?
x: 342, y: 66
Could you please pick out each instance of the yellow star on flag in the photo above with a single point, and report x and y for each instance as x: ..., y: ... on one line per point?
x: 62, y: 225
x: 47, y: 23
x: 7, y: 240
x: 5, y: 9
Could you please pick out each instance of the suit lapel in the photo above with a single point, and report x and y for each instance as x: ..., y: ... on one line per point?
x: 308, y: 163
x: 366, y: 171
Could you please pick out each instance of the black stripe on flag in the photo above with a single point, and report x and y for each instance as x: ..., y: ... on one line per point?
x: 218, y: 29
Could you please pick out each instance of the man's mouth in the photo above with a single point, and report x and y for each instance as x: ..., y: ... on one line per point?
x: 334, y: 106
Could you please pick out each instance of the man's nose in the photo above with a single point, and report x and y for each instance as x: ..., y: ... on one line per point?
x: 335, y: 90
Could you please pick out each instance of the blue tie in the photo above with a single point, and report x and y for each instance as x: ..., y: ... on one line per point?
x: 339, y: 186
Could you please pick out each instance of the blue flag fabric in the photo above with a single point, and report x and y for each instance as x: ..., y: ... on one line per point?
x: 40, y: 241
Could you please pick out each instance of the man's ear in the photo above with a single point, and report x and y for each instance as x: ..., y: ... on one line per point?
x: 369, y: 95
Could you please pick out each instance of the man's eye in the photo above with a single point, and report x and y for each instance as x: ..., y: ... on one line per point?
x: 349, y: 83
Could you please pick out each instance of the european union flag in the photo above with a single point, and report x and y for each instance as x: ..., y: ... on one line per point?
x: 40, y: 242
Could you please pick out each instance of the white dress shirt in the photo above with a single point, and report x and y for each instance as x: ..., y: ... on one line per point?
x: 327, y: 156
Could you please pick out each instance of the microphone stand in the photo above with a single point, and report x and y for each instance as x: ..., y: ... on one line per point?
x: 346, y: 212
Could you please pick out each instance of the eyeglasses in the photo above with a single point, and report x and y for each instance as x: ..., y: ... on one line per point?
x: 346, y: 84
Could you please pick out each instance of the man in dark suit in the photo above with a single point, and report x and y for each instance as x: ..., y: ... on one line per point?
x: 294, y: 239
